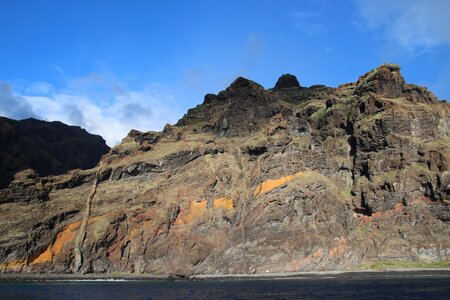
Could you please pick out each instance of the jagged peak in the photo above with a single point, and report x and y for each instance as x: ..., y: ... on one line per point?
x: 140, y: 137
x: 243, y: 82
x: 385, y: 80
x: 384, y: 70
x: 286, y: 81
x: 239, y: 87
x: 390, y: 66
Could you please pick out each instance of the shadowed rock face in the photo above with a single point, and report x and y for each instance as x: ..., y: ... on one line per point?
x: 286, y: 81
x: 49, y: 148
x: 251, y: 181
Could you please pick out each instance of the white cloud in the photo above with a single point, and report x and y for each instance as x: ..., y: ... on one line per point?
x: 14, y: 106
x: 95, y: 102
x: 410, y: 24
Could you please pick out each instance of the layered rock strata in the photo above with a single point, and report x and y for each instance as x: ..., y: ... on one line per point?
x: 251, y: 181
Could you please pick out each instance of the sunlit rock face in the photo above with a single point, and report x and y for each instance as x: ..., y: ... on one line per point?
x: 251, y: 181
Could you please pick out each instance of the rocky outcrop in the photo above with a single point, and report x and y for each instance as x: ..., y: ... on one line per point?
x: 385, y: 80
x: 49, y: 148
x: 251, y: 181
x: 26, y: 187
x: 242, y: 108
x: 286, y: 81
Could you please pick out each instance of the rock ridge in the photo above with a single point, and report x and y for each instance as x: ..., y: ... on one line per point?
x: 49, y: 148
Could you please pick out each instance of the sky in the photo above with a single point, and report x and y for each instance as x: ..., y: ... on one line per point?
x: 111, y: 66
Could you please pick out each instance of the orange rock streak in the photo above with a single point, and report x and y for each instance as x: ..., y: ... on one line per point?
x: 67, y: 235
x: 338, y: 250
x: 225, y: 202
x: 270, y: 184
x: 196, y: 210
x: 13, y: 265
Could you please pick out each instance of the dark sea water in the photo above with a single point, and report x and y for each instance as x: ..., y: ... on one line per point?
x: 356, y: 286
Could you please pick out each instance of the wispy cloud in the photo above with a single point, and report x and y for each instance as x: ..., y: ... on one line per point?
x: 40, y: 88
x: 307, y: 22
x: 95, y: 102
x: 410, y: 24
x: 253, y: 49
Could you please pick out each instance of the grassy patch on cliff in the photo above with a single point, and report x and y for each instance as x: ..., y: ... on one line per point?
x: 312, y: 105
x: 161, y: 149
x: 301, y: 142
x: 440, y: 143
x: 367, y: 121
x: 346, y: 193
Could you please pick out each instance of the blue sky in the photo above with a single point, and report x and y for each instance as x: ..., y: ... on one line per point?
x: 110, y: 66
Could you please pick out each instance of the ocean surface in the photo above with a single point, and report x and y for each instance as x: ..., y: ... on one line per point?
x: 400, y: 285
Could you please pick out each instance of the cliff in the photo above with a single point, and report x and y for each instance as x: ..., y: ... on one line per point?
x: 49, y: 148
x: 251, y: 181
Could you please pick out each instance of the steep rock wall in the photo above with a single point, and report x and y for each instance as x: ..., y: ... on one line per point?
x: 253, y: 181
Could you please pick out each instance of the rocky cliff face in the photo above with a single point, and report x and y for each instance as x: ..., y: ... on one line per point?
x: 251, y: 181
x: 49, y: 148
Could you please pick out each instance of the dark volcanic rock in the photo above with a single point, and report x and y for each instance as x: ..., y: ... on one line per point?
x: 240, y: 109
x: 286, y: 81
x: 26, y: 187
x: 49, y: 148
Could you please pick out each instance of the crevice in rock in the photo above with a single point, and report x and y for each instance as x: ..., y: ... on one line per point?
x: 364, y: 208
x: 349, y: 129
x: 172, y: 215
x: 256, y: 151
x: 429, y: 191
x: 404, y: 202
x: 365, y: 211
x: 365, y: 170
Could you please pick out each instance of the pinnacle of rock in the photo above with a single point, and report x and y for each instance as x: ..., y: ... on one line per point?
x: 286, y: 81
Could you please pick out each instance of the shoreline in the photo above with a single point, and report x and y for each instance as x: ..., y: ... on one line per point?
x: 344, y: 274
x: 335, y: 273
